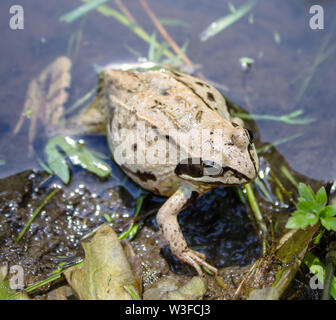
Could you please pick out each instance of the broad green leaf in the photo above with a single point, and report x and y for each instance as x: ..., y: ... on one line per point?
x: 321, y: 197
x: 328, y: 211
x: 306, y: 192
x: 308, y: 206
x: 329, y: 223
x: 82, y: 156
x: 301, y: 219
x: 56, y: 162
x: 78, y: 155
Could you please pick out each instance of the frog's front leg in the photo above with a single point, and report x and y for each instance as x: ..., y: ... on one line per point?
x: 167, y: 220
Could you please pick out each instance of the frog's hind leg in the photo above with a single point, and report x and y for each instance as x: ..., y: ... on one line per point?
x: 167, y: 221
x: 90, y: 120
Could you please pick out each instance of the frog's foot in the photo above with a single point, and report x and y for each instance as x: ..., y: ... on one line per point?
x: 195, y: 259
x: 167, y: 221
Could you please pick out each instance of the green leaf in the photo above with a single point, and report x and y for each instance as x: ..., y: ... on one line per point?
x: 321, y: 197
x: 78, y: 155
x: 301, y: 219
x: 327, y: 211
x: 308, y: 206
x: 56, y: 162
x: 306, y: 193
x: 329, y: 223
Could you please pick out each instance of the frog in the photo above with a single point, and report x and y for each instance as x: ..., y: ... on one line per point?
x: 173, y: 135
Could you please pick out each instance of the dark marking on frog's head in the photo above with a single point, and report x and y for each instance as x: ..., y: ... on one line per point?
x: 210, y: 96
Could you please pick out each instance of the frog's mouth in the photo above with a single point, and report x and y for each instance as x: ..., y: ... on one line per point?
x: 198, y: 171
x: 229, y: 177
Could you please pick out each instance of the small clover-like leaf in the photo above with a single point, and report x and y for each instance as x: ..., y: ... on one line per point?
x: 306, y: 192
x: 321, y: 197
x: 329, y: 223
x: 301, y: 219
x: 328, y: 211
x: 308, y: 206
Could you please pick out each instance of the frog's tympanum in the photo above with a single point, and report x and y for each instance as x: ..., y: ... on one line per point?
x: 173, y: 135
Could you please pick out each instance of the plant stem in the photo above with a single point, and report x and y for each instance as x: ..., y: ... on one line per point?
x: 38, y: 210
x: 164, y: 32
x: 257, y: 214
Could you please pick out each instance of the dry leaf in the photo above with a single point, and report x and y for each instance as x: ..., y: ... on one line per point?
x: 105, y: 271
x: 46, y: 96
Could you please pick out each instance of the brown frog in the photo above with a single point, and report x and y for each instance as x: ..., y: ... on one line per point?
x: 173, y: 135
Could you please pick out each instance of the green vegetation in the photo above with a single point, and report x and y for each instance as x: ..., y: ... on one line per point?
x: 78, y: 155
x: 224, y: 22
x: 290, y: 118
x: 311, y: 209
x: 38, y: 210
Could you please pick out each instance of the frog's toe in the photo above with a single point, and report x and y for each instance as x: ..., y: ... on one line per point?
x: 197, y: 259
x: 199, y: 254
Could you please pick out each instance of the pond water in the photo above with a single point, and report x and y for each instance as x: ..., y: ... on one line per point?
x: 293, y: 70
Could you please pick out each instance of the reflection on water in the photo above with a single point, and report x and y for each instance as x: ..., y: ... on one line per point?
x: 293, y: 67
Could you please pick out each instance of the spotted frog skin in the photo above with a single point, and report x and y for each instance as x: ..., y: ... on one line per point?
x: 154, y: 121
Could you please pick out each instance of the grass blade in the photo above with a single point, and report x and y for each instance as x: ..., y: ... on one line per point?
x: 224, y: 22
x: 38, y: 210
x: 81, y: 10
x: 151, y: 50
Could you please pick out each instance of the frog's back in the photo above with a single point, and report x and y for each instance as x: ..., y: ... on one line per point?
x: 164, y: 98
x: 152, y: 107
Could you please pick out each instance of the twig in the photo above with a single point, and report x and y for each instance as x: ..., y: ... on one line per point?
x: 164, y: 32
x: 235, y: 296
x: 125, y: 11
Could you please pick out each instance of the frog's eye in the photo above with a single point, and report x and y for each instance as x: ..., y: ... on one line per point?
x: 211, y: 168
x: 197, y: 168
x: 191, y: 167
x: 250, y: 135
